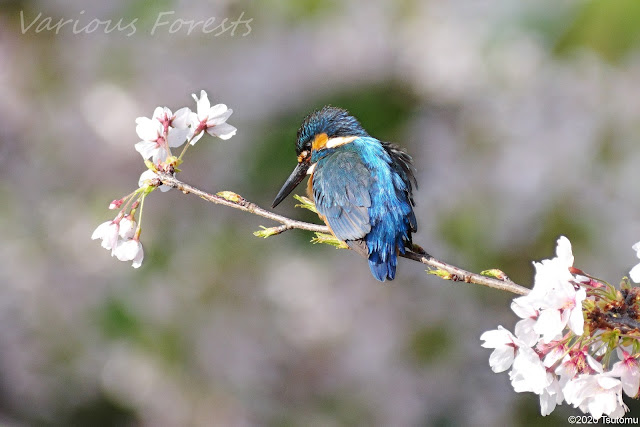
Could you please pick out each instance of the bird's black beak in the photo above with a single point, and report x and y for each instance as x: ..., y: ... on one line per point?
x: 294, y: 179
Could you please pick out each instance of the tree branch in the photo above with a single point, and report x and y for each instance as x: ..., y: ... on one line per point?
x: 457, y: 274
x: 236, y: 201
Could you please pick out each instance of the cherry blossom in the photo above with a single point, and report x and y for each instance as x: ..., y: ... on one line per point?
x: 599, y: 394
x: 108, y: 233
x: 210, y: 119
x: 130, y: 250
x: 628, y: 369
x: 505, y: 346
x: 555, y: 354
x: 158, y: 133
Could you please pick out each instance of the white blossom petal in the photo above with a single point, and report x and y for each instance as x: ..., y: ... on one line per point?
x: 552, y: 274
x: 528, y: 373
x: 501, y: 359
x: 550, y: 397
x: 525, y: 332
x: 549, y: 325
x: 177, y: 137
x: 576, y: 318
x: 160, y: 155
x: 634, y: 274
x: 554, y: 355
x: 181, y: 118
x: 563, y: 251
x: 127, y: 250
x: 504, y: 344
x: 137, y: 261
x: 146, y: 148
x: 222, y: 131
x: 496, y: 337
x: 524, y: 307
x: 594, y: 364
x: 108, y: 232
x: 160, y: 113
x: 101, y: 230
x: 203, y: 105
x: 148, y: 129
x: 127, y: 228
x: 628, y: 369
x: 218, y: 114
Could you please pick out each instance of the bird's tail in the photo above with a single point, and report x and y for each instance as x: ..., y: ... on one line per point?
x: 383, y: 269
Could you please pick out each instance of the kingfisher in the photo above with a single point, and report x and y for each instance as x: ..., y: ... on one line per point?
x: 362, y: 187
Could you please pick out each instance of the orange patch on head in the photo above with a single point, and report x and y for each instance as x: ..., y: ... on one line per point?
x: 319, y: 142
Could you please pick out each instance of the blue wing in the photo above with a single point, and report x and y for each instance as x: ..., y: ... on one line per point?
x: 391, y: 214
x: 340, y: 186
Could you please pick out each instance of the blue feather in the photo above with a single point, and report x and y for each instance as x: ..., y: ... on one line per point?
x: 364, y: 194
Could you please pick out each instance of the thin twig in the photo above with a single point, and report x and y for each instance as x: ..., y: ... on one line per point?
x: 236, y: 201
x: 459, y: 275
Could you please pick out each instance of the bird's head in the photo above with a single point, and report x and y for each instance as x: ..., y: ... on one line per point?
x: 321, y: 130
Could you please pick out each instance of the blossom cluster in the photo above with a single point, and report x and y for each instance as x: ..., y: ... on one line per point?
x: 158, y: 135
x: 578, y: 340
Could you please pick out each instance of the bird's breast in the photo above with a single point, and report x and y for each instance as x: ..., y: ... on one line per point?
x: 310, y: 188
x: 312, y: 198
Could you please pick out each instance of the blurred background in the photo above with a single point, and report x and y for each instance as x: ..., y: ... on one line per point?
x: 523, y: 119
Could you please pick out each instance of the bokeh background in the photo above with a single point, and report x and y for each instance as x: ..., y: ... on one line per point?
x: 523, y: 118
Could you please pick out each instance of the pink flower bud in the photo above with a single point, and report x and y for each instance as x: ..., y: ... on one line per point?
x: 116, y: 204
